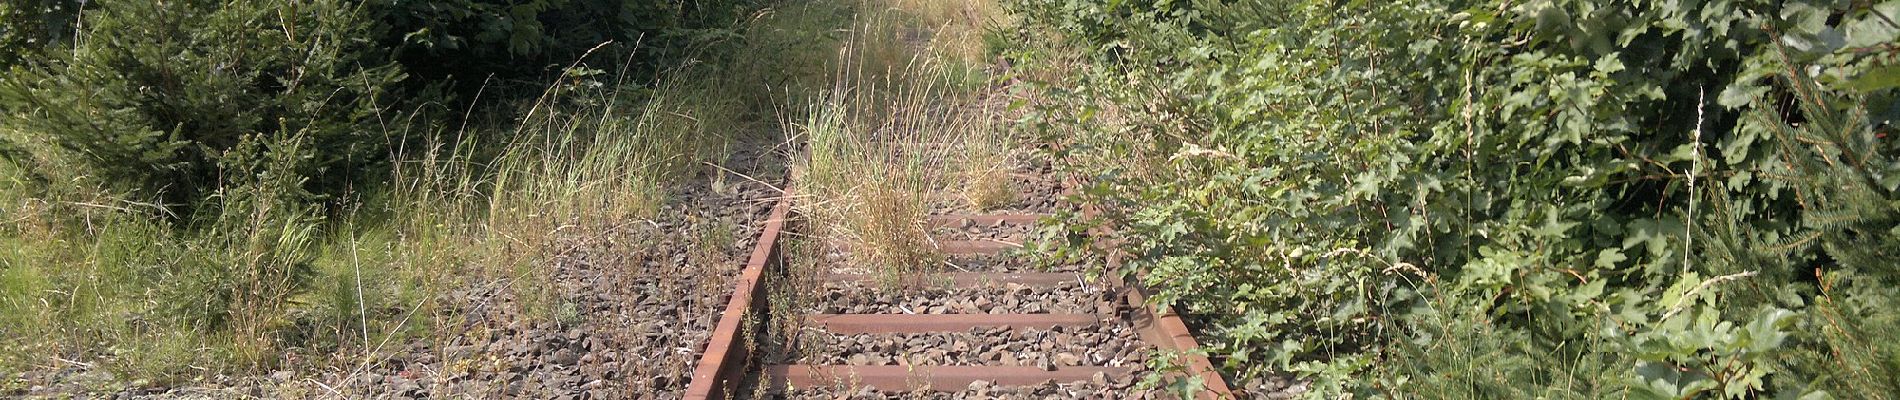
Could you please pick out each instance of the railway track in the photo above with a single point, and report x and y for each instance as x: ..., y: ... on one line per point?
x: 988, y: 324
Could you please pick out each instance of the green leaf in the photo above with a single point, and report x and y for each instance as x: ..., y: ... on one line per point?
x: 1740, y: 95
x: 1663, y: 381
x: 1607, y: 258
x: 1609, y: 64
x: 1554, y: 227
x: 1673, y: 296
x: 1874, y: 28
x: 1764, y: 333
x: 1876, y: 79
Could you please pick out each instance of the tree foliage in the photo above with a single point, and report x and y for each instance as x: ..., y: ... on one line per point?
x: 470, y: 40
x: 153, y: 94
x: 1481, y: 198
x: 30, y: 26
x: 161, y: 92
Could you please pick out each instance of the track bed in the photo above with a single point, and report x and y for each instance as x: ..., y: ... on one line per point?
x: 989, y: 321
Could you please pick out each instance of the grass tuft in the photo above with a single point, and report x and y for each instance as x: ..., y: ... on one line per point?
x: 899, y: 122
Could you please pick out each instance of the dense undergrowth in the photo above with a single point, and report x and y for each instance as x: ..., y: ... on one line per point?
x: 295, y: 185
x: 196, y: 188
x: 1486, y: 199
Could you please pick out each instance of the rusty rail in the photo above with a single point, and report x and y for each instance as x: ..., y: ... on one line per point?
x: 1163, y: 328
x: 1158, y: 325
x: 721, y: 366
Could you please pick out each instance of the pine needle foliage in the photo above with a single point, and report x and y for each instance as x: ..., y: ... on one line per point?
x: 157, y: 94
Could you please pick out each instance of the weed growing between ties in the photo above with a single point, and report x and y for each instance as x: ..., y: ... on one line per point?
x: 987, y: 156
x: 902, y: 119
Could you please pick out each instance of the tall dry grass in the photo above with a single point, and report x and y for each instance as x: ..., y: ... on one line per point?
x: 899, y: 123
x: 87, y: 278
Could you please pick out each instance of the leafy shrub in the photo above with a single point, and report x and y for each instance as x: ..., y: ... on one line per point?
x: 1626, y: 192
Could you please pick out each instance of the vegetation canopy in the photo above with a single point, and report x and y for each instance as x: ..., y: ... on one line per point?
x: 1459, y: 199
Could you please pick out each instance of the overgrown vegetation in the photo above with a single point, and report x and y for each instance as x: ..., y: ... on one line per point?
x: 28, y: 27
x: 204, y: 187
x: 893, y: 129
x: 1555, y: 198
x: 1443, y: 199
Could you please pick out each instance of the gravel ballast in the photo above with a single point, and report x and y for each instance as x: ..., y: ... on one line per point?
x: 1010, y: 298
x: 1102, y: 387
x: 1111, y: 344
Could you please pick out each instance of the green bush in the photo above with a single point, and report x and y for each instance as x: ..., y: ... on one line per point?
x: 30, y: 26
x: 473, y: 40
x: 183, y: 183
x: 148, y: 300
x: 157, y: 93
x: 1629, y: 199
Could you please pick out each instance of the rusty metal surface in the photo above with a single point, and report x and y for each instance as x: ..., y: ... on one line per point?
x: 1163, y: 328
x: 1158, y: 325
x: 911, y: 377
x: 919, y: 323
x: 722, y: 365
x: 967, y: 280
